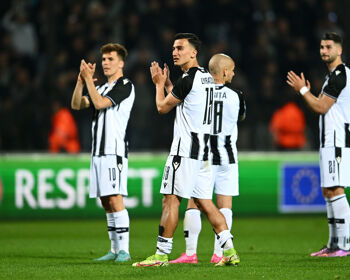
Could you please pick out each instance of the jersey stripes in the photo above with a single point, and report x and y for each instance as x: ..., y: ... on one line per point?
x: 109, y: 125
x: 334, y: 125
x: 193, y: 115
x: 229, y: 107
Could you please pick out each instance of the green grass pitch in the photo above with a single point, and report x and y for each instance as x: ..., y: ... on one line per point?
x: 269, y: 247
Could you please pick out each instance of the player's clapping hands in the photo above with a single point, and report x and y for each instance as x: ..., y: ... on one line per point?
x: 159, y: 75
x: 87, y: 70
x: 297, y: 82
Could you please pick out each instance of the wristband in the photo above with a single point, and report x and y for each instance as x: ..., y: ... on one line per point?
x: 303, y: 90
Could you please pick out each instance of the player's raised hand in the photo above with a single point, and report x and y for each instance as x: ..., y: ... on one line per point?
x: 87, y: 70
x: 167, y: 73
x: 158, y: 75
x: 297, y: 82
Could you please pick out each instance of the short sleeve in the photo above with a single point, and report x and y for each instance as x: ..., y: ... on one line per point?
x: 184, y: 85
x: 336, y: 82
x: 120, y: 91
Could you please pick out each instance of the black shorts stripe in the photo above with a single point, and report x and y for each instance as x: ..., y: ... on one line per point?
x: 347, y: 136
x: 214, y: 150
x: 119, y: 167
x: 194, y: 153
x: 228, y: 147
x: 103, y: 136
x: 176, y: 164
x: 95, y: 118
x: 126, y: 148
x: 323, y: 134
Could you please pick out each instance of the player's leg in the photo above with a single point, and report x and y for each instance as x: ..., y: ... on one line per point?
x: 224, y: 203
x: 341, y: 210
x: 217, y: 220
x: 334, y: 167
x: 192, y: 228
x: 226, y: 186
x: 95, y: 191
x: 112, y: 178
x: 192, y: 221
x: 122, y: 226
x: 120, y: 214
x: 178, y: 182
x: 112, y: 253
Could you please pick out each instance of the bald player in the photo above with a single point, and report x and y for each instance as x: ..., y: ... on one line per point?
x: 228, y: 108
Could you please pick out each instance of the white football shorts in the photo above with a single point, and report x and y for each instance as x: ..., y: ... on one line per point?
x: 335, y: 167
x: 225, y: 179
x: 181, y: 177
x: 108, y: 176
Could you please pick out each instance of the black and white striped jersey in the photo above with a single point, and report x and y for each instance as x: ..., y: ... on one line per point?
x: 109, y: 124
x: 228, y: 107
x: 193, y: 115
x: 334, y: 125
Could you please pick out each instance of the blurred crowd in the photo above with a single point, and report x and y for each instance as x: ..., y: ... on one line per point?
x: 43, y: 42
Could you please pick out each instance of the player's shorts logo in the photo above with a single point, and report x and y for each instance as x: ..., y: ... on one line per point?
x: 176, y: 162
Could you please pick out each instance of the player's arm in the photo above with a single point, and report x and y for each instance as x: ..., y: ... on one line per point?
x: 99, y: 101
x: 320, y: 104
x: 242, y: 106
x: 165, y: 103
x: 79, y: 101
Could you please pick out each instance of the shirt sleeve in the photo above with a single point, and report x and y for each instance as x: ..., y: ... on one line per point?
x: 183, y: 86
x: 119, y: 92
x: 242, y: 105
x: 336, y: 82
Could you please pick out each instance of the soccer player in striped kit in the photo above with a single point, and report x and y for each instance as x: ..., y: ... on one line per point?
x: 192, y: 95
x: 111, y: 103
x: 228, y: 108
x: 333, y: 106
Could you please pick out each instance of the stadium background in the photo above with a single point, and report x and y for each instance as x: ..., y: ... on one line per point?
x: 40, y: 51
x: 49, y: 227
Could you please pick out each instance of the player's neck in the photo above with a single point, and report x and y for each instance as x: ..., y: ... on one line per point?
x: 188, y: 65
x: 218, y: 81
x: 331, y: 66
x: 114, y: 77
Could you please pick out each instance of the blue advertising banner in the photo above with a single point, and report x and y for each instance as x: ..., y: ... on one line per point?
x: 300, y: 189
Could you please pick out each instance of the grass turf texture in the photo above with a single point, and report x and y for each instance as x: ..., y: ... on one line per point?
x: 269, y: 247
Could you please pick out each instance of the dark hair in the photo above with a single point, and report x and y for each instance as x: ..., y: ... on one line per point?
x: 111, y: 47
x: 192, y: 39
x: 333, y: 37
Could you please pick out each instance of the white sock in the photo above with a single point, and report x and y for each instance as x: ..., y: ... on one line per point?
x: 331, y: 225
x: 341, y: 211
x: 228, y: 218
x: 111, y: 232
x: 192, y: 228
x: 225, y: 239
x: 164, y: 245
x: 122, y: 224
